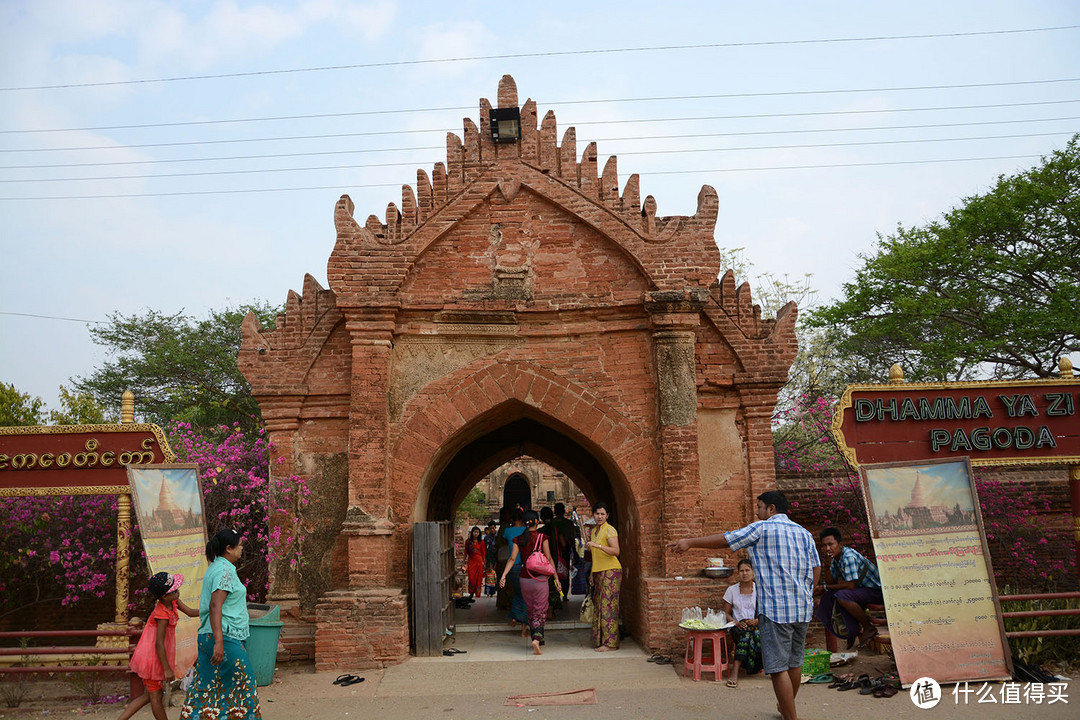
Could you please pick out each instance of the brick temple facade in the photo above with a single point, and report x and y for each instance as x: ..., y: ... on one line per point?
x: 516, y: 302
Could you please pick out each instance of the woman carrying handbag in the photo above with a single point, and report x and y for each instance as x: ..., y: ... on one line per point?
x: 535, y: 571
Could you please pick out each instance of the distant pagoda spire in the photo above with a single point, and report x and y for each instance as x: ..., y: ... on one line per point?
x: 917, y: 499
x: 167, y: 507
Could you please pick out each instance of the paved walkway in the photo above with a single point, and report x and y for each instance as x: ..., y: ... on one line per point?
x: 475, y: 685
x: 627, y: 688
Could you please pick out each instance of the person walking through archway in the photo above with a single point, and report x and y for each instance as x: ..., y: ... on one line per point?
x: 475, y: 552
x: 518, y: 612
x: 564, y: 550
x: 787, y: 567
x: 534, y: 585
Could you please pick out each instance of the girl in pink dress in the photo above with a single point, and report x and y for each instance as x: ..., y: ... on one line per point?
x: 156, y: 651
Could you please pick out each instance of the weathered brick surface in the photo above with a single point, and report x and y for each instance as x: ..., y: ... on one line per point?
x: 514, y: 302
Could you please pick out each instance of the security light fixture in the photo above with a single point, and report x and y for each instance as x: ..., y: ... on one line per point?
x: 505, y: 124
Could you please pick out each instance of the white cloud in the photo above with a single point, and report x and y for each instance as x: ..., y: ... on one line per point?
x: 453, y: 40
x: 372, y: 20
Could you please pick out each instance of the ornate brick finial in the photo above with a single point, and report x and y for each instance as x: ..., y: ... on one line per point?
x: 508, y: 97
x: 1065, y: 368
x: 896, y: 374
x: 127, y: 407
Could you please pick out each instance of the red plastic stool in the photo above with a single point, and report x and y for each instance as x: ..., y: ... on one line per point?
x: 698, y: 661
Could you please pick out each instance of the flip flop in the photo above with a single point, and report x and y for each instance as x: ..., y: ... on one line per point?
x: 342, y: 679
x: 869, y: 686
x: 732, y: 683
x: 653, y: 658
x: 821, y: 679
x: 840, y: 680
x: 663, y: 660
x: 353, y: 679
x: 852, y: 684
x: 455, y: 651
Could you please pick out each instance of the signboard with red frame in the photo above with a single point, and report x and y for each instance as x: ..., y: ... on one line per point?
x: 77, y: 458
x: 993, y: 423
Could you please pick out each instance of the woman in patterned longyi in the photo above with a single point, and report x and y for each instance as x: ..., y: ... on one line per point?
x: 606, y: 581
x: 224, y: 686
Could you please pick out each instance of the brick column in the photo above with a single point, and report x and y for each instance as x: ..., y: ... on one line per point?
x: 282, y: 417
x: 368, y: 526
x: 281, y: 414
x: 759, y: 403
x: 674, y: 320
x: 366, y: 624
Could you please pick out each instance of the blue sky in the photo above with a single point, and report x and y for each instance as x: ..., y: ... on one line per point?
x: 77, y: 257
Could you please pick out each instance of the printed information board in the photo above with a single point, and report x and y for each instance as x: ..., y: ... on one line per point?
x: 168, y: 505
x: 936, y: 574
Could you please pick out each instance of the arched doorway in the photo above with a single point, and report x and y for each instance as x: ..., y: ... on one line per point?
x: 517, y: 492
x: 526, y: 432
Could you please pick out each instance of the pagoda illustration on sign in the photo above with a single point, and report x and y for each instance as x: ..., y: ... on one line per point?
x: 917, y: 514
x: 170, y: 516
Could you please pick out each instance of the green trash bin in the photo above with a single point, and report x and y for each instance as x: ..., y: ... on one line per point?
x: 262, y: 644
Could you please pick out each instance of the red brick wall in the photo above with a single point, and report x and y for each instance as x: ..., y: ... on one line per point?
x: 512, y: 283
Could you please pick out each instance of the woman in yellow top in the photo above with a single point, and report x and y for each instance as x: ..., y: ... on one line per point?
x: 606, y: 581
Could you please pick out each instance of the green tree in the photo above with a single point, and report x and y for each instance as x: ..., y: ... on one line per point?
x: 17, y: 408
x: 993, y: 288
x: 472, y: 508
x: 179, y: 368
x: 81, y: 409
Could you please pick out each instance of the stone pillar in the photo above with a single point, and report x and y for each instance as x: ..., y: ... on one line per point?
x: 368, y: 524
x: 366, y: 623
x: 674, y: 318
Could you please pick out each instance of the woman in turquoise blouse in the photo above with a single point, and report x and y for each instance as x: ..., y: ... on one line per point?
x: 223, y: 677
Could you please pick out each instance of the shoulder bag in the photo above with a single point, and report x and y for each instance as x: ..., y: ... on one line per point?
x: 537, y: 562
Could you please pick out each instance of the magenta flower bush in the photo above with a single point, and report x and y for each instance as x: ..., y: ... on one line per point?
x: 63, y: 549
x: 237, y: 493
x: 56, y: 549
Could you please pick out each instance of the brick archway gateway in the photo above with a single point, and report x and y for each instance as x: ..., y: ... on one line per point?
x: 516, y: 303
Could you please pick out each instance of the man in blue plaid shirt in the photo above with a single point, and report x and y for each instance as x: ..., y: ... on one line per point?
x: 853, y: 582
x: 787, y: 568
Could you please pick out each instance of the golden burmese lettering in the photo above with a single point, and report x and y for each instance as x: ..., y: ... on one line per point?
x: 87, y: 458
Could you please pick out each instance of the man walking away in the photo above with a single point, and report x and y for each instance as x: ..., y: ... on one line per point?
x: 787, y: 567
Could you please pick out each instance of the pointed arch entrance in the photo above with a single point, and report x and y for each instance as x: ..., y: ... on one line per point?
x: 513, y: 430
x: 517, y: 492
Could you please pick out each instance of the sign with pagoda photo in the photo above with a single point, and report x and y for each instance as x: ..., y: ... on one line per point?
x: 169, y: 509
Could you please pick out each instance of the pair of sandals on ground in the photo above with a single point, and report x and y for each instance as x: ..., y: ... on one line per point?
x: 880, y: 687
x: 346, y: 680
